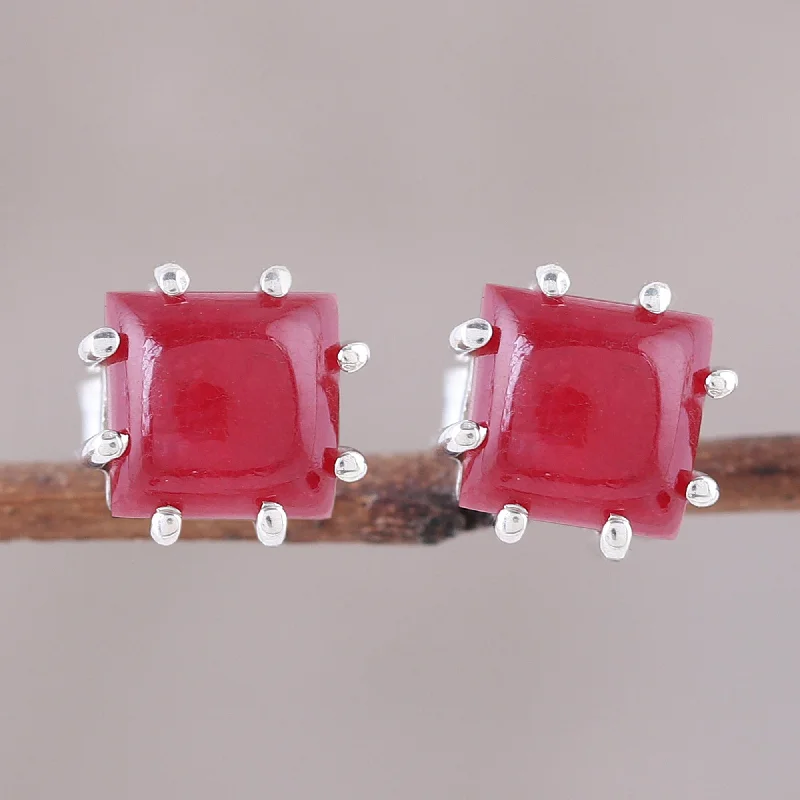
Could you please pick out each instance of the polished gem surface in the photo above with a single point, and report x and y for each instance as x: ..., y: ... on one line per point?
x: 593, y: 408
x: 230, y: 400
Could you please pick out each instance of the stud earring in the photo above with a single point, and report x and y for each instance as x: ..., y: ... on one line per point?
x: 582, y: 412
x: 220, y: 405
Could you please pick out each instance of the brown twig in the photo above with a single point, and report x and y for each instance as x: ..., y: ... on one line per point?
x: 405, y: 498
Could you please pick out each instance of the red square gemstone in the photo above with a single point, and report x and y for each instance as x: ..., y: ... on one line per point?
x: 592, y: 408
x: 230, y: 400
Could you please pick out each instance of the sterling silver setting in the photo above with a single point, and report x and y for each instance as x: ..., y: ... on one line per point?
x: 552, y: 280
x: 172, y: 280
x: 470, y: 336
x: 461, y: 434
x: 103, y: 446
x: 276, y: 281
x: 350, y: 466
x: 655, y: 297
x: 702, y: 491
x: 271, y: 525
x: 510, y: 524
x: 353, y: 357
x: 165, y: 526
x: 720, y: 383
x: 615, y: 537
x: 99, y: 345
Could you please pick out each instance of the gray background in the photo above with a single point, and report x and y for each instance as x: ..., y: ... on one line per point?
x: 401, y: 154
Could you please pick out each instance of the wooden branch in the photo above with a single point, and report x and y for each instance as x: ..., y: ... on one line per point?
x: 405, y: 498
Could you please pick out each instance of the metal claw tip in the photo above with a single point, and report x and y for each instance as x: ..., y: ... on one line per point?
x: 103, y: 448
x: 552, y: 280
x: 721, y: 382
x: 655, y: 297
x: 511, y: 523
x: 98, y: 346
x: 470, y: 335
x: 276, y: 281
x: 462, y: 436
x: 165, y: 526
x: 702, y: 491
x: 353, y: 356
x: 615, y: 538
x: 271, y: 524
x: 350, y: 466
x: 172, y: 280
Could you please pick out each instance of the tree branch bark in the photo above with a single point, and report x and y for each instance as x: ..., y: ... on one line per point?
x: 404, y: 498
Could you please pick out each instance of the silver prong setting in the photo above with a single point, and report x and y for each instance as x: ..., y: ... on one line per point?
x: 353, y: 356
x: 103, y: 448
x: 615, y: 537
x: 172, y: 279
x: 98, y: 346
x: 165, y: 526
x: 350, y: 466
x: 720, y: 383
x: 276, y: 281
x: 271, y: 524
x: 470, y: 335
x: 511, y: 523
x: 702, y: 491
x: 462, y: 436
x: 553, y: 280
x: 655, y: 297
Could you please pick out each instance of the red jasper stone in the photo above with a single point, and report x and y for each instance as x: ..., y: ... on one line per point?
x: 593, y: 408
x: 230, y: 400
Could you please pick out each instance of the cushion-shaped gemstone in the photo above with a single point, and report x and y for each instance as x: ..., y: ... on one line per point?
x: 230, y: 401
x: 593, y: 408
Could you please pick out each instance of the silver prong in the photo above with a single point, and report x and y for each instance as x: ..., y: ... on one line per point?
x: 98, y: 346
x: 470, y: 335
x: 615, y: 538
x: 702, y: 490
x: 103, y: 448
x: 511, y: 523
x: 165, y: 526
x: 276, y: 281
x: 461, y: 436
x: 552, y: 280
x: 353, y: 356
x: 172, y: 279
x: 655, y: 297
x: 271, y: 524
x: 721, y: 382
x: 350, y: 466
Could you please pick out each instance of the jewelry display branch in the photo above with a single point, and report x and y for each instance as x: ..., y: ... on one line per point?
x: 403, y: 499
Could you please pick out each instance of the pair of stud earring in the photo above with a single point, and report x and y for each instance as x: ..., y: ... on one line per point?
x: 570, y: 410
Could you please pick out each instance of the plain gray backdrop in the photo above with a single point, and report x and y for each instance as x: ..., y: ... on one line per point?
x: 401, y: 154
